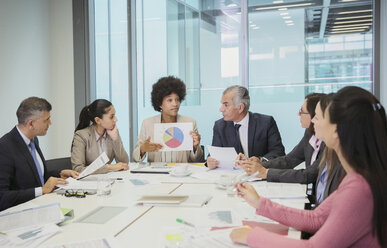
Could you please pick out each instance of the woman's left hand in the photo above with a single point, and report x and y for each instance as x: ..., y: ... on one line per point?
x: 113, y: 133
x: 239, y: 235
x: 196, y: 139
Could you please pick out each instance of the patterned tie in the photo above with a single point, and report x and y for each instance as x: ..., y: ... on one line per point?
x: 33, y: 153
x: 238, y: 145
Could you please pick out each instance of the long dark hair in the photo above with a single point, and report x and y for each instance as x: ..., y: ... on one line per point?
x: 362, y: 130
x: 311, y: 101
x: 96, y: 109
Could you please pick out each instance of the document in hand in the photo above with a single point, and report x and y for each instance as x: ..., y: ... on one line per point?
x: 98, y: 163
x: 225, y: 155
x: 174, y: 136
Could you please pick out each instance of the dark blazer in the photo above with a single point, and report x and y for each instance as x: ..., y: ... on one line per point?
x: 264, y: 139
x: 333, y: 180
x: 281, y: 169
x: 18, y: 174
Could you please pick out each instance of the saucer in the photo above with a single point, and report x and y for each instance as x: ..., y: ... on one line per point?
x: 187, y: 173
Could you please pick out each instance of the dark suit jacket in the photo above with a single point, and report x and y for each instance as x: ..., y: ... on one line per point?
x: 333, y: 180
x: 281, y: 169
x: 18, y: 174
x: 264, y: 139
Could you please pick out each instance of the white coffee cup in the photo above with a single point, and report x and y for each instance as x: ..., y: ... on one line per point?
x: 180, y: 170
x: 226, y: 181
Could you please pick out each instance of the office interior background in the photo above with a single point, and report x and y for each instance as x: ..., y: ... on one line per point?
x: 72, y: 52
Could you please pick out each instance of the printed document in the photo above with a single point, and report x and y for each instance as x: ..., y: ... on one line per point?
x: 98, y: 163
x: 225, y: 155
x: 46, y: 214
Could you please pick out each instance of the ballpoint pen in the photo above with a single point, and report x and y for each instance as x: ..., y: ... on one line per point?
x: 185, y: 222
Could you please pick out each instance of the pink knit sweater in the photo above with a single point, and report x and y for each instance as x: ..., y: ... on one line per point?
x: 342, y: 220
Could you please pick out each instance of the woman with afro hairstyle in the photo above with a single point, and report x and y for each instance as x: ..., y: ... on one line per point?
x: 167, y: 94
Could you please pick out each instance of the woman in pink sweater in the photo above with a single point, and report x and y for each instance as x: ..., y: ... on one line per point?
x: 353, y: 123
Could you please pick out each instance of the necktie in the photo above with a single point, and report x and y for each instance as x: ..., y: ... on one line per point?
x: 33, y: 153
x: 238, y: 145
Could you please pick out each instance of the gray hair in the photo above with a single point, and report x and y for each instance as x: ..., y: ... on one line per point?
x: 31, y: 108
x: 241, y: 96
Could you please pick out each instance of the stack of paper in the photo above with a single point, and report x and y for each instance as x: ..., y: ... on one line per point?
x: 29, y: 227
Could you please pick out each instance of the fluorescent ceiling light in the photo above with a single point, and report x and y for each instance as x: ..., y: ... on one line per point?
x: 278, y: 1
x: 232, y: 5
x: 289, y: 21
x: 353, y: 25
x: 349, y: 0
x: 355, y: 11
x: 348, y: 31
x: 354, y: 17
x: 286, y: 17
x: 255, y: 27
x: 290, y: 24
x: 284, y: 7
x: 284, y: 13
x: 354, y: 21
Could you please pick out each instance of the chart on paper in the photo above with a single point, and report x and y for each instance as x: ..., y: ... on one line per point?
x: 173, y: 137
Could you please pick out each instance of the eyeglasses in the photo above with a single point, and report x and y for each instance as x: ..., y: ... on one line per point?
x: 300, y: 112
x: 77, y: 194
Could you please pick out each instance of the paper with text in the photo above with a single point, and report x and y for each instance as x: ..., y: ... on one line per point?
x: 98, y: 163
x: 42, y: 215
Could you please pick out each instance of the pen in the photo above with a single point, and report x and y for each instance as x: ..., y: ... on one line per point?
x: 185, y: 222
x: 3, y: 233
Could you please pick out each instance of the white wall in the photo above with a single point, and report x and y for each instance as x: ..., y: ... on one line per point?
x: 383, y: 50
x: 36, y: 48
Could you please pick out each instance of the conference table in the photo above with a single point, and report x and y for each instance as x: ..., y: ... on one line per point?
x: 136, y: 225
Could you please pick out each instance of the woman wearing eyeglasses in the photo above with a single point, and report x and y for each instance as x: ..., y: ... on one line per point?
x: 309, y: 150
x: 354, y: 125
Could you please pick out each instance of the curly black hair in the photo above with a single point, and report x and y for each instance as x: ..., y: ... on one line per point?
x: 164, y: 87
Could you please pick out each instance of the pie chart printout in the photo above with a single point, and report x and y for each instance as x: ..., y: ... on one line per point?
x: 173, y: 137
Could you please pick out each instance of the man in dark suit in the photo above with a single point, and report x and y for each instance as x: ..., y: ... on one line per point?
x: 22, y: 165
x: 249, y: 133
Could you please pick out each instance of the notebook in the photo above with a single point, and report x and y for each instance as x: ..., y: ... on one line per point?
x: 162, y: 199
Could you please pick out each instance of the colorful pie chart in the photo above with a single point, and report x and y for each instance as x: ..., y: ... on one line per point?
x: 173, y: 137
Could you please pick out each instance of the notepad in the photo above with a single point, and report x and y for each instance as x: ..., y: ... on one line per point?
x: 162, y: 199
x: 152, y: 170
